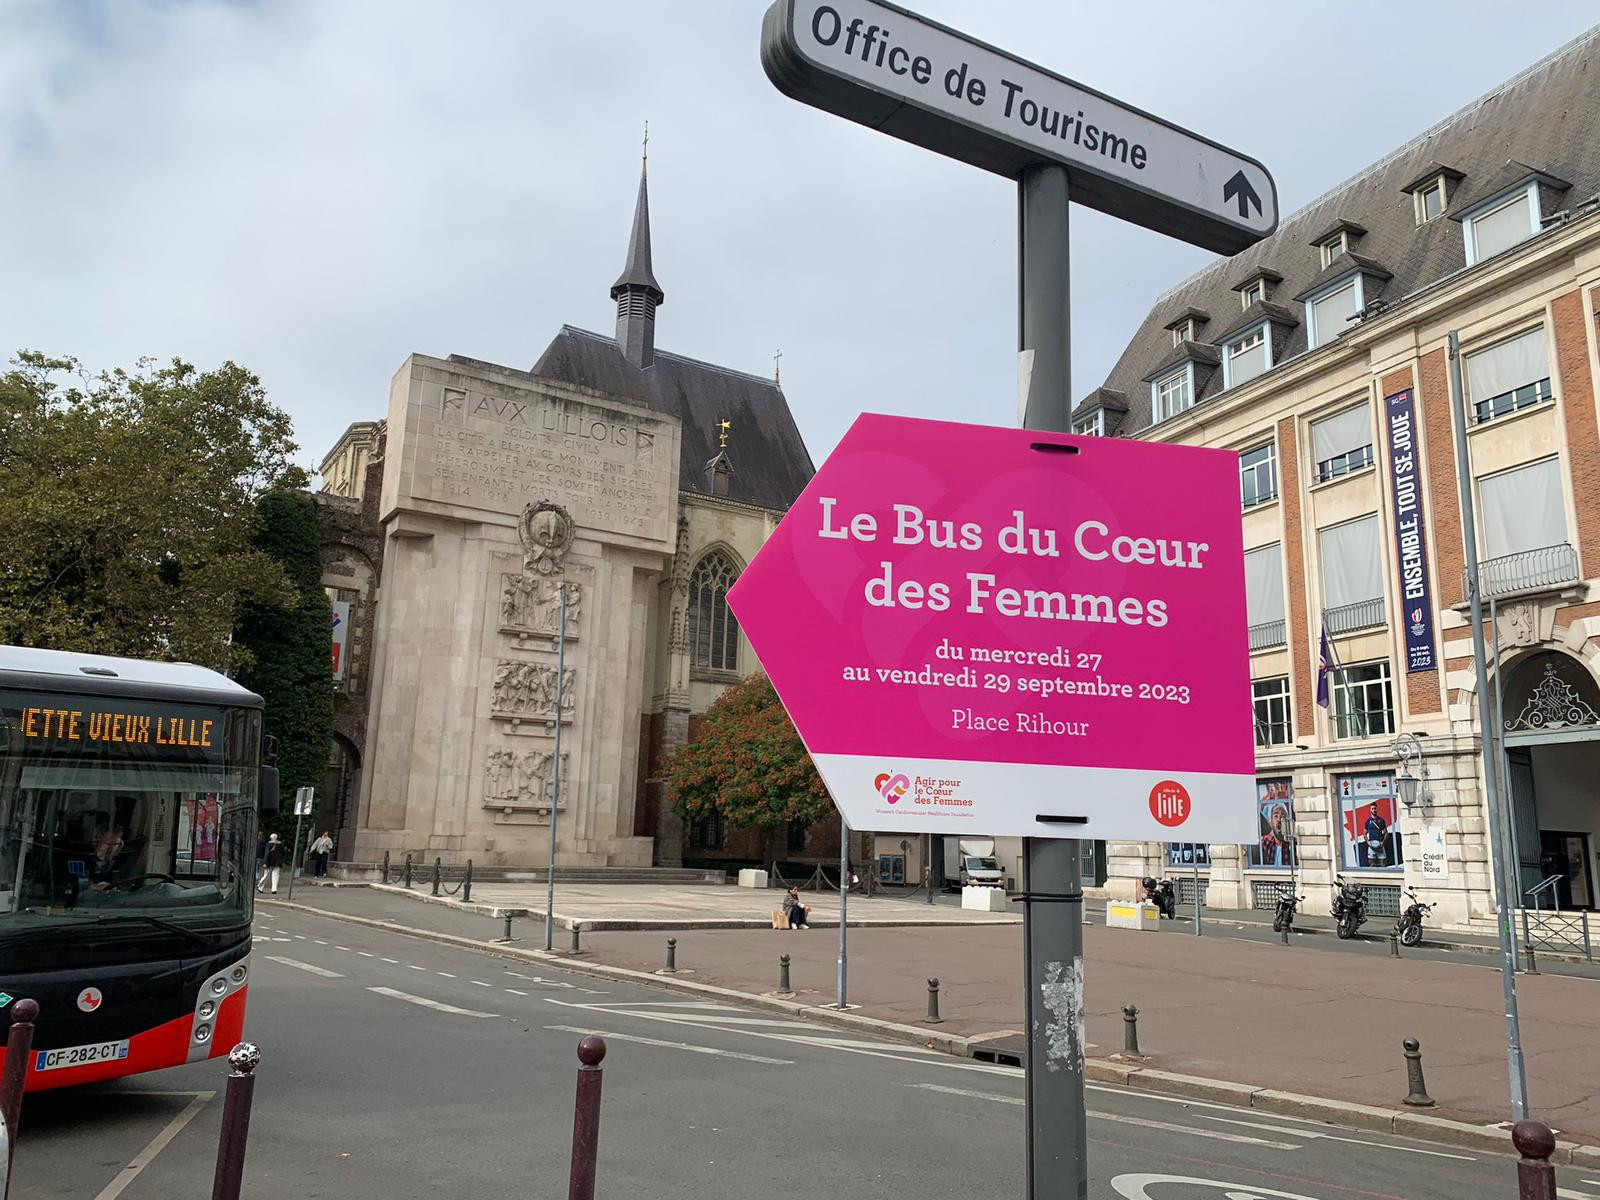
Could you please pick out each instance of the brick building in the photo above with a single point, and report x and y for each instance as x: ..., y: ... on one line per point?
x: 1321, y: 356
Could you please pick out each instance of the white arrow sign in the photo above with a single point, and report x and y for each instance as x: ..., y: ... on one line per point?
x: 904, y: 75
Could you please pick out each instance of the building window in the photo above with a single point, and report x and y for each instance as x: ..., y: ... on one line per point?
x: 1368, y: 816
x: 1332, y: 248
x: 1188, y: 854
x: 1183, y: 331
x: 1352, y: 575
x: 713, y: 633
x: 1173, y: 393
x: 1511, y: 375
x: 1274, y: 726
x: 1523, y: 509
x: 1244, y: 359
x: 1430, y: 200
x: 1501, y: 227
x: 797, y: 837
x: 1330, y: 315
x: 1275, y: 842
x: 1363, y: 700
x: 1342, y: 443
x: 709, y: 832
x: 1263, y: 594
x: 1258, y: 475
x: 1251, y: 292
x: 1093, y: 425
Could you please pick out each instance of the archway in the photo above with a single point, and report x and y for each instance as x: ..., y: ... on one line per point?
x: 1550, y: 723
x: 340, y: 784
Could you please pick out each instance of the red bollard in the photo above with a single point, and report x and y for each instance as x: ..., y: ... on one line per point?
x: 18, y: 1045
x: 586, y: 1119
x: 1536, y: 1178
x: 243, y: 1058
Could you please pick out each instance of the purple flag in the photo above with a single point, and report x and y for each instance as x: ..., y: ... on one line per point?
x: 1325, y: 665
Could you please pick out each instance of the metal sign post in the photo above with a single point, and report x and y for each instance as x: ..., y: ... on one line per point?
x: 304, y: 800
x: 844, y: 896
x: 555, y: 773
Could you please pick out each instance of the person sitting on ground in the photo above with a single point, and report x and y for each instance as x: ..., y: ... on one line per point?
x: 799, y: 914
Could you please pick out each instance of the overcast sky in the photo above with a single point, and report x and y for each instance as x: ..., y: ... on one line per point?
x: 316, y: 188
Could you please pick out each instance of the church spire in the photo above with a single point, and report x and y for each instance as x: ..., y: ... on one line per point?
x: 636, y: 291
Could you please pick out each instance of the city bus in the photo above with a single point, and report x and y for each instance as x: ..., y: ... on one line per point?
x: 129, y: 798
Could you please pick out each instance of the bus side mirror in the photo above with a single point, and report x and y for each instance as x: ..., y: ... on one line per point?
x: 267, y: 790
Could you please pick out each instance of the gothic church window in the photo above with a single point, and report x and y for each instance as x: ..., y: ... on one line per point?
x: 713, y: 633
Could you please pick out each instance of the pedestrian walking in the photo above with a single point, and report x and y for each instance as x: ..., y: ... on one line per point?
x: 273, y: 863
x: 320, y: 850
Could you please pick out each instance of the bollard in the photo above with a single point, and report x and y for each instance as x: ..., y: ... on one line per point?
x: 408, y: 870
x: 438, y: 874
x: 508, y: 927
x: 672, y: 956
x: 1285, y: 935
x: 933, y: 1003
x: 1536, y: 1178
x: 576, y: 949
x: 385, y: 866
x: 18, y: 1043
x: 466, y: 884
x: 1130, y: 1029
x: 243, y: 1058
x: 783, y: 974
x: 1394, y: 945
x: 1533, y: 963
x: 586, y: 1119
x: 1419, y: 1097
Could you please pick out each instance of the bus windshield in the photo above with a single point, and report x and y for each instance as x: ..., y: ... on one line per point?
x: 155, y: 827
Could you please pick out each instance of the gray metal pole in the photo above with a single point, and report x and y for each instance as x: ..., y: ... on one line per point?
x: 1058, y: 1157
x: 1469, y: 537
x: 844, y: 897
x: 294, y: 853
x: 1197, y: 930
x: 555, y: 784
x: 1508, y: 819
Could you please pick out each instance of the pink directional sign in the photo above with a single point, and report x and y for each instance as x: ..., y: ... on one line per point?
x: 1004, y: 632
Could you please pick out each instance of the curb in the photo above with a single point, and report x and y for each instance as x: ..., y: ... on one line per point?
x: 1495, y: 1139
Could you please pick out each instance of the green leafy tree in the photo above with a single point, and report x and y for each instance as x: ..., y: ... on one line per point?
x: 290, y: 648
x: 128, y: 507
x: 748, y: 764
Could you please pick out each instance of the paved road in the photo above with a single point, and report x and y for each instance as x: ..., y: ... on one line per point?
x: 397, y: 1068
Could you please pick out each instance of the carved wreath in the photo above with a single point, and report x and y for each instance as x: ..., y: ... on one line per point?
x: 547, y: 532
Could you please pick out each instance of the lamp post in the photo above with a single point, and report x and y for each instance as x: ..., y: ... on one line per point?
x: 1407, y: 786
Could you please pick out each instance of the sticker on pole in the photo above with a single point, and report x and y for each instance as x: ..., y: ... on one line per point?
x: 1005, y: 632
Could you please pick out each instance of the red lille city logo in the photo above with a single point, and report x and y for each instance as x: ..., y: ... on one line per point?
x: 892, y: 786
x: 1170, y: 803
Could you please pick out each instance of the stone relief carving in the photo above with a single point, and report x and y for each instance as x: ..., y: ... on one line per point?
x: 680, y: 559
x: 1519, y: 622
x: 533, y: 602
x: 529, y: 690
x: 521, y: 778
x: 547, y: 533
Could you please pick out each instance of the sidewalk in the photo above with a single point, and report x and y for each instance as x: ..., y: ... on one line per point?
x: 1262, y: 1015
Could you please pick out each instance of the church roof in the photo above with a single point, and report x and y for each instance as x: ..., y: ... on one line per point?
x: 637, y: 272
x: 770, y: 461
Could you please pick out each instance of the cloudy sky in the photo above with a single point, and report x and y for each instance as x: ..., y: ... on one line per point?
x: 316, y: 188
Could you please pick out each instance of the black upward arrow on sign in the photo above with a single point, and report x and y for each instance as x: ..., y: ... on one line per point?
x: 1240, y: 186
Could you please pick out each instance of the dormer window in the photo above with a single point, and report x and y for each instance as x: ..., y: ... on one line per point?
x: 1183, y: 331
x: 1430, y: 200
x: 1251, y: 292
x: 1091, y: 425
x: 1246, y: 357
x: 1332, y: 247
x: 1501, y: 225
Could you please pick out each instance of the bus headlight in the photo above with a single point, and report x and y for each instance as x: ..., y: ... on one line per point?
x: 206, y: 1010
x: 202, y: 1033
x: 239, y: 973
x: 219, y: 985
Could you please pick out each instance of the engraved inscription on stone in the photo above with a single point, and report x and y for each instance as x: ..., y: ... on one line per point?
x: 529, y: 690
x: 522, y: 779
x: 532, y: 603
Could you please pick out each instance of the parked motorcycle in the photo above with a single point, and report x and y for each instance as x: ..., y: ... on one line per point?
x: 1283, y: 918
x: 1162, y: 896
x: 1409, y: 926
x: 1349, y: 907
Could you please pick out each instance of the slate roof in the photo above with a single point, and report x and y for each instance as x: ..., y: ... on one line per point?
x: 770, y: 461
x: 1545, y: 120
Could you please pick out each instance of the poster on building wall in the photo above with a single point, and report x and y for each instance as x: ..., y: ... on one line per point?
x: 1188, y: 854
x: 1274, y: 845
x: 1410, y: 534
x: 341, y: 631
x: 1435, y: 857
x: 1369, y: 816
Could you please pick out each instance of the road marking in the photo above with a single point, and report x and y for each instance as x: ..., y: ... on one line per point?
x: 320, y: 942
x: 414, y: 967
x: 346, y: 949
x: 976, y: 1095
x: 424, y: 1002
x: 300, y: 937
x: 644, y: 1041
x: 392, y: 961
x: 263, y: 938
x: 365, y: 953
x: 1569, y: 1194
x: 1332, y: 1137
x: 304, y: 966
x: 280, y: 931
x: 446, y: 974
x: 514, y: 992
x: 157, y: 1144
x: 480, y: 983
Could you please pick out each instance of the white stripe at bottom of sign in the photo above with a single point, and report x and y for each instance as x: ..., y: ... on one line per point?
x: 920, y: 795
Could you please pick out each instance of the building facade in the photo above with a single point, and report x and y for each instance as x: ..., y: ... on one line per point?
x: 1322, y: 356
x: 540, y: 558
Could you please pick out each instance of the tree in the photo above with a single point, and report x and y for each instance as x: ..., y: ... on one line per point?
x: 748, y: 764
x: 290, y: 647
x: 128, y: 507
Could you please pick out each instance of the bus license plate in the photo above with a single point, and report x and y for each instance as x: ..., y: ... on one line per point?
x: 77, y: 1056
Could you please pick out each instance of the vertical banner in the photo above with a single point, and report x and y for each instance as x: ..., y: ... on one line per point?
x: 341, y: 631
x: 1410, y: 534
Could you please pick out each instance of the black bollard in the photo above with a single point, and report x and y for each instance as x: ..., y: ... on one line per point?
x: 438, y: 874
x: 1536, y: 1178
x: 672, y: 956
x: 576, y: 948
x: 1419, y: 1097
x: 243, y: 1058
x: 586, y: 1119
x: 385, y: 866
x: 1285, y: 935
x: 1130, y: 1029
x: 19, y: 1041
x: 466, y: 884
x: 508, y: 927
x: 408, y: 870
x: 1533, y: 963
x: 783, y: 975
x: 1394, y: 945
x: 933, y: 1003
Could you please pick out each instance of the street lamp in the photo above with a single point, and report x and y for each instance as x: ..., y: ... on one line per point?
x: 1407, y: 786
